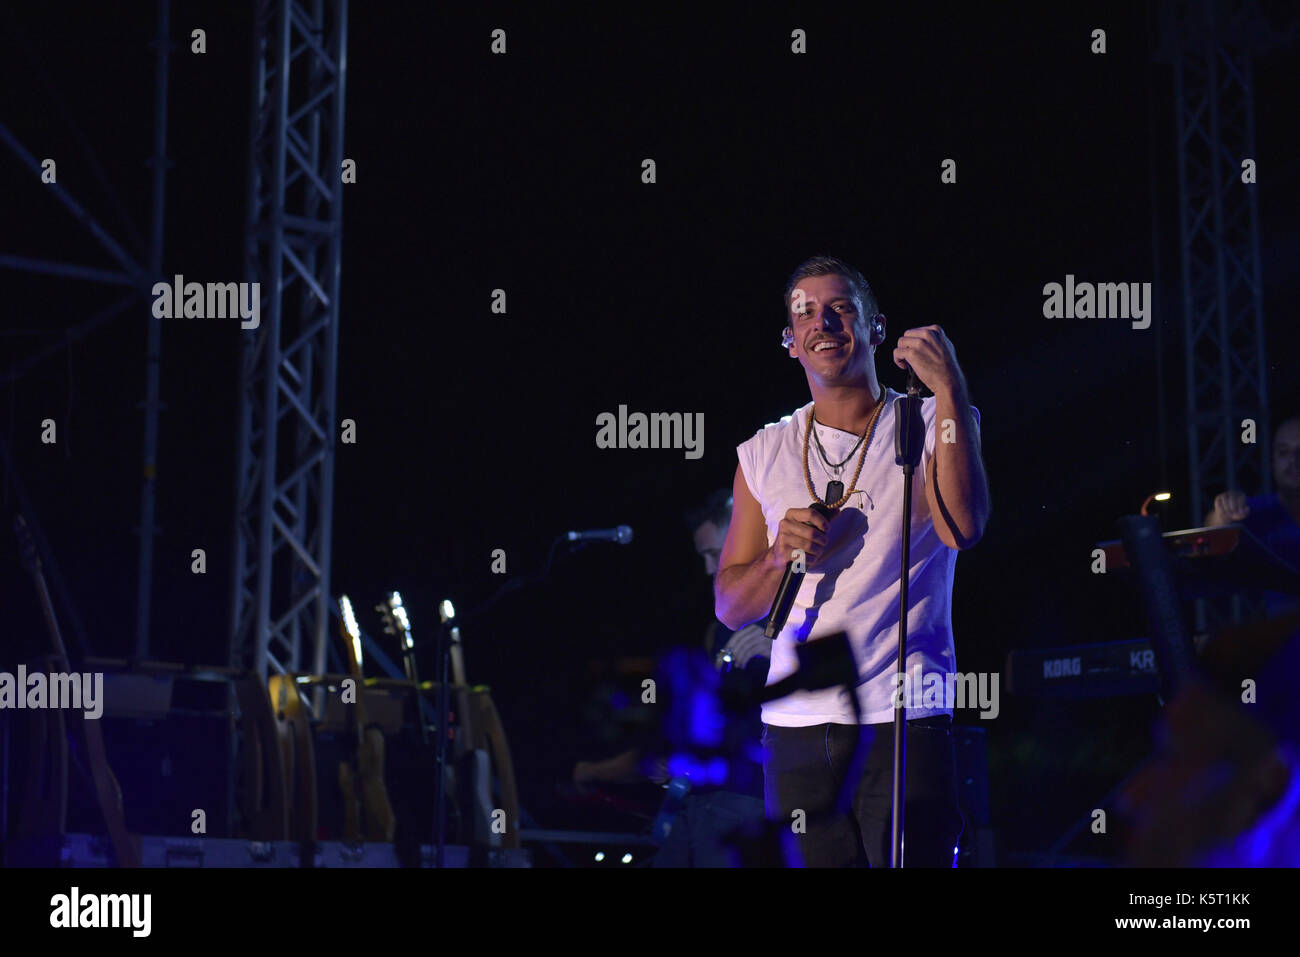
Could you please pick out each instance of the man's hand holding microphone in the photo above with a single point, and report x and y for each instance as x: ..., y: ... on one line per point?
x: 805, y: 529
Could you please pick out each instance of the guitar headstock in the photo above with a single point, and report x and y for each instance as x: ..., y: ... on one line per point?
x: 400, y: 620
x: 398, y: 624
x: 27, y: 545
x: 351, y: 632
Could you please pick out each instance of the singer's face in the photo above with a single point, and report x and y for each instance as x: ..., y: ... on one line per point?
x: 831, y: 338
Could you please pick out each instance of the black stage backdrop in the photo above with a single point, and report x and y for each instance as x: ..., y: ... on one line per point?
x: 523, y: 172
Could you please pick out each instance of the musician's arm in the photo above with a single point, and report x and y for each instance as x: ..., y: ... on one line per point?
x: 748, y: 570
x: 1230, y: 506
x: 956, y: 488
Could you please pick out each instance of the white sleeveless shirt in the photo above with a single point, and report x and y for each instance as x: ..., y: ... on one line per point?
x: 855, y: 587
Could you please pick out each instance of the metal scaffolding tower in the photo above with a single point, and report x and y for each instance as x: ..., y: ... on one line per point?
x: 1210, y: 45
x: 287, y: 427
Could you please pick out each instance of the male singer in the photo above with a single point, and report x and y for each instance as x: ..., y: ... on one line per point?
x: 852, y: 580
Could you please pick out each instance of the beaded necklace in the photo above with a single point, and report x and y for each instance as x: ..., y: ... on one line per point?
x: 866, y: 443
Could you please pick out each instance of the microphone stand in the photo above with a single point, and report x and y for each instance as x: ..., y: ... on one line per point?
x: 444, y: 726
x: 909, y: 439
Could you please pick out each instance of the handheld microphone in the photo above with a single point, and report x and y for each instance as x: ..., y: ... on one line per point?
x: 621, y: 535
x: 791, y: 580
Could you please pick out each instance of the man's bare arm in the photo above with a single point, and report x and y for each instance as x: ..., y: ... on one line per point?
x: 747, y: 575
x: 957, y: 489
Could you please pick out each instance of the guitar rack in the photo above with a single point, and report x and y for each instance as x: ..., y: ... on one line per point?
x: 267, y: 812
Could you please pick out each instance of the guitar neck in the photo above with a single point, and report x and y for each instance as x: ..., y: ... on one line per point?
x: 463, y: 695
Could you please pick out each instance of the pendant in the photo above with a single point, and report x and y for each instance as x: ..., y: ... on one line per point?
x: 834, y: 492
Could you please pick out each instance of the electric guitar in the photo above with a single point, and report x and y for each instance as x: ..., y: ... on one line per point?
x: 398, y: 624
x: 480, y: 744
x: 476, y: 739
x: 362, y: 778
x: 293, y: 726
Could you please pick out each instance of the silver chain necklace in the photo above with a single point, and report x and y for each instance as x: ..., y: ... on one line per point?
x: 835, y: 468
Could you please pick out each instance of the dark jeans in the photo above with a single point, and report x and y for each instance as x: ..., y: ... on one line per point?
x: 804, y: 769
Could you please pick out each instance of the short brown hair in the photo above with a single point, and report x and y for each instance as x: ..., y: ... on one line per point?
x: 827, y: 266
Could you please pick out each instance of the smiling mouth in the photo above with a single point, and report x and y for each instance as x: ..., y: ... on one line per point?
x: 826, y: 345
